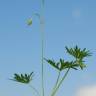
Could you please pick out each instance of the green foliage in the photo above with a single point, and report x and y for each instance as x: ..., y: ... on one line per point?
x: 23, y: 78
x: 78, y: 53
x: 67, y: 65
x: 75, y: 64
x: 53, y: 63
x: 61, y: 65
x: 78, y: 62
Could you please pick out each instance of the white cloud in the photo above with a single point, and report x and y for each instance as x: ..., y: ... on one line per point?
x: 87, y: 91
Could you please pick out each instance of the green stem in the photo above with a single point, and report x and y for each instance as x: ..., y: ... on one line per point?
x: 60, y: 83
x: 35, y: 90
x: 42, y: 65
x: 56, y: 83
x: 42, y: 33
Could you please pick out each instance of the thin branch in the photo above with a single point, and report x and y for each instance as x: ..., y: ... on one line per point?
x: 60, y: 83
x: 35, y: 90
x: 56, y: 82
x: 42, y: 41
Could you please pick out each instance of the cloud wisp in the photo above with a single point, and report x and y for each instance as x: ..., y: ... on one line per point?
x: 76, y: 13
x: 87, y: 91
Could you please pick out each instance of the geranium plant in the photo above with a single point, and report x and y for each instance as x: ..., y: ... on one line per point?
x: 61, y: 66
x: 77, y: 63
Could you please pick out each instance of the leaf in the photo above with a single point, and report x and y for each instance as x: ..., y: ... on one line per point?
x: 22, y: 78
x: 53, y: 63
x: 62, y: 64
x: 67, y: 65
x: 78, y: 53
x: 81, y: 64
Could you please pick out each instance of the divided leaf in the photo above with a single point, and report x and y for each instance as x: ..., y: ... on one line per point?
x: 67, y: 64
x: 77, y: 63
x: 61, y: 65
x: 78, y: 53
x: 53, y: 63
x: 23, y: 78
x: 80, y: 63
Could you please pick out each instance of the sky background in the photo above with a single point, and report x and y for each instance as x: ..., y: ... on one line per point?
x: 67, y: 23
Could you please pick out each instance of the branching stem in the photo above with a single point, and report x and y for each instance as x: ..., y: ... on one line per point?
x: 56, y: 82
x: 60, y: 83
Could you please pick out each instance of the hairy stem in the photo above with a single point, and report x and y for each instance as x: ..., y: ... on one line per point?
x: 42, y: 41
x: 60, y: 83
x: 42, y: 65
x: 35, y: 90
x: 56, y: 82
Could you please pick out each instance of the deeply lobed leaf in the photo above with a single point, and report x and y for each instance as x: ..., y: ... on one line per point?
x: 23, y: 78
x: 61, y: 65
x: 53, y: 63
x: 78, y: 53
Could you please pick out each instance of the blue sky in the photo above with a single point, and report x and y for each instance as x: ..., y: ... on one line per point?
x: 68, y: 23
